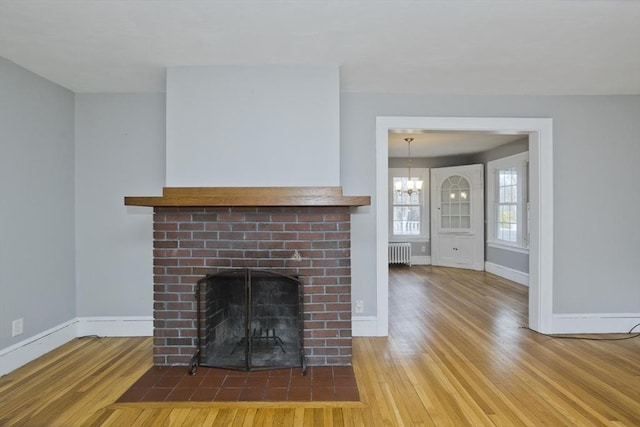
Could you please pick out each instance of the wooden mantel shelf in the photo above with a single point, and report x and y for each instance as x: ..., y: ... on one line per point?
x: 249, y: 196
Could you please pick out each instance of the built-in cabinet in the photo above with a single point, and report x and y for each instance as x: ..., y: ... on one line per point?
x: 455, y: 204
x: 456, y: 250
x: 457, y: 217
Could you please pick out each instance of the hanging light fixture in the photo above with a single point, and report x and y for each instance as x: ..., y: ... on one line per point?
x: 413, y: 185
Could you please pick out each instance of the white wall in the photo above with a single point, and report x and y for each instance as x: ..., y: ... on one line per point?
x: 119, y: 152
x: 596, y: 199
x: 37, y: 255
x: 253, y: 126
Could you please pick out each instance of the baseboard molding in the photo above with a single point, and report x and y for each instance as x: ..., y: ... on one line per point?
x: 25, y: 351
x: 507, y: 273
x: 109, y: 326
x: 421, y: 260
x: 595, y: 323
x: 364, y: 326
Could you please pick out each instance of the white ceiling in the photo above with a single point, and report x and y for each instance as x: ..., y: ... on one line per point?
x: 438, y: 144
x: 446, y: 47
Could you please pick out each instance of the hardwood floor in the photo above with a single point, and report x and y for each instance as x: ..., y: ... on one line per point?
x: 456, y: 356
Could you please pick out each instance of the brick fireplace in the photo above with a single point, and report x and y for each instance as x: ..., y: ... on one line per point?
x: 297, y: 231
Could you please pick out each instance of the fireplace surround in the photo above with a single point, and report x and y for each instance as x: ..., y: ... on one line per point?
x: 301, y: 232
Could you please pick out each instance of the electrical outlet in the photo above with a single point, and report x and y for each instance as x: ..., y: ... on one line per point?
x: 424, y: 249
x: 17, y: 327
x: 359, y: 306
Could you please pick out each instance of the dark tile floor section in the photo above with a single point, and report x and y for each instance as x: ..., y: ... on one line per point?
x: 174, y: 384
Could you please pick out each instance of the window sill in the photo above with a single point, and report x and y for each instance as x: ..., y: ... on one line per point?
x: 506, y: 247
x: 409, y: 239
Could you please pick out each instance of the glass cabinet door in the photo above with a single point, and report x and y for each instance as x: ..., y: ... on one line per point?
x: 455, y: 204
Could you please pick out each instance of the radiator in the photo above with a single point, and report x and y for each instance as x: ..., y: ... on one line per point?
x: 400, y: 253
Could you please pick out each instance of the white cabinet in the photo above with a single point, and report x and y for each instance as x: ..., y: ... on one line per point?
x: 457, y: 220
x: 456, y: 250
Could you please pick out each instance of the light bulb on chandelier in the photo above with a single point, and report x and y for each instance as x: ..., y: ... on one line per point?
x: 413, y: 185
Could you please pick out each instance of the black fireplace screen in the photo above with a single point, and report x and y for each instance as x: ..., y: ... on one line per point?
x: 249, y: 320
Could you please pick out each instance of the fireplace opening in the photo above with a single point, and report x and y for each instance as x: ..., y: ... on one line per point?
x: 249, y: 320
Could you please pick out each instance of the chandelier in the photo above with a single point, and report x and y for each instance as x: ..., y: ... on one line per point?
x: 414, y: 185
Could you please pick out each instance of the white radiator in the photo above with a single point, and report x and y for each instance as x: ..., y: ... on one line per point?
x: 400, y: 253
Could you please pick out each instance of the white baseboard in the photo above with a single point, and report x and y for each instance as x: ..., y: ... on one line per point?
x: 507, y: 273
x: 595, y: 323
x: 133, y: 326
x: 421, y: 260
x: 364, y: 326
x: 25, y: 351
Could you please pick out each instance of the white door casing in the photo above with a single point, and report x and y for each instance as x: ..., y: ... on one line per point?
x: 457, y: 217
x: 540, y: 132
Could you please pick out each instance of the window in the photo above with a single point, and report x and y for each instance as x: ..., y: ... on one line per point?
x: 408, y: 212
x: 507, y: 205
x: 508, y: 201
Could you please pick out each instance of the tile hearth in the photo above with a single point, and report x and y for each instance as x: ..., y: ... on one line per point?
x: 174, y: 384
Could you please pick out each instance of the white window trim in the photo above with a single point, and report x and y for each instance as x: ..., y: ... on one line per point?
x: 518, y: 161
x: 422, y: 174
x: 508, y: 247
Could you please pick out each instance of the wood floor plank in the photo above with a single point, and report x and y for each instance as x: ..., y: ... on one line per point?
x: 96, y: 419
x: 298, y: 417
x: 145, y: 417
x: 211, y: 417
x: 457, y: 355
x: 249, y: 417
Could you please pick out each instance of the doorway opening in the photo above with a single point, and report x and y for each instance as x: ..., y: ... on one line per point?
x: 539, y: 133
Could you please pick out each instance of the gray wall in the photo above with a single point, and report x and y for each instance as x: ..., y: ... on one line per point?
x: 431, y: 162
x: 120, y: 148
x: 506, y: 150
x: 37, y: 255
x: 596, y: 156
x: 506, y: 258
x: 119, y: 152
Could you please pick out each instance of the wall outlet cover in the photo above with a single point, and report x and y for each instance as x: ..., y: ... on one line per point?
x: 17, y: 327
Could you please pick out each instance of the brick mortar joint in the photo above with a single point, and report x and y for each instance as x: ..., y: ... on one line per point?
x: 195, y: 221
